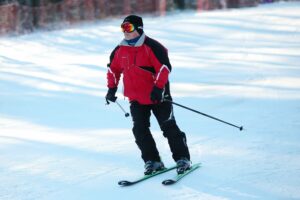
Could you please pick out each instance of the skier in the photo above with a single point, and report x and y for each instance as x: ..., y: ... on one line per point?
x: 145, y: 66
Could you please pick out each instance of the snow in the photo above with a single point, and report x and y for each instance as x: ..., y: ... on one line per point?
x: 58, y: 139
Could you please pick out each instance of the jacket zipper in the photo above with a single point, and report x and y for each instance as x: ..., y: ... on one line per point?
x: 134, y: 60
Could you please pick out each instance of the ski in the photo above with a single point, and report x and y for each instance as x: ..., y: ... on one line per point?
x: 145, y: 177
x: 180, y: 176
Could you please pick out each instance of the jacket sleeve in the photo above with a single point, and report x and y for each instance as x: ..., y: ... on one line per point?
x: 160, y: 61
x: 113, y: 69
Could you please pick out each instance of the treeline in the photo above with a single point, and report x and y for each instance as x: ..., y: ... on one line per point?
x: 23, y: 16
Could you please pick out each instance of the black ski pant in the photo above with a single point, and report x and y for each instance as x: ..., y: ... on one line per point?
x: 165, y: 117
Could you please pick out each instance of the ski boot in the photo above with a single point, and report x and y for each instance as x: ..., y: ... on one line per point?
x: 153, y: 166
x: 183, y: 165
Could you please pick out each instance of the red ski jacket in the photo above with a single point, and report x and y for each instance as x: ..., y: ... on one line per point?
x: 144, y: 65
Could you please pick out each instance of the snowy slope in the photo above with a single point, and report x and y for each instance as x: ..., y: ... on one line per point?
x: 58, y: 139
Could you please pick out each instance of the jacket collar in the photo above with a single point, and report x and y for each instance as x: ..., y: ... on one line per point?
x: 139, y: 43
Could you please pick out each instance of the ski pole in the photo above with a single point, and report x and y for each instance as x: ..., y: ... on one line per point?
x: 206, y: 115
x: 126, y: 113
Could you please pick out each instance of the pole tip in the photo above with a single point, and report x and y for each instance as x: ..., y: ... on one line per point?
x: 127, y: 115
x: 241, y: 128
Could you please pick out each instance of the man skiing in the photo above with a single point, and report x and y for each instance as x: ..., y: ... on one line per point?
x: 145, y: 66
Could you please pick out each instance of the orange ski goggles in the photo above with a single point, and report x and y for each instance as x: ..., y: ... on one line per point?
x: 127, y: 27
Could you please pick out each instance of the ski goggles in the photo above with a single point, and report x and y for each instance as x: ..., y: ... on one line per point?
x: 127, y: 27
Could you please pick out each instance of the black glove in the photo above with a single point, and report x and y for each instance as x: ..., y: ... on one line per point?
x: 156, y: 94
x: 111, y: 95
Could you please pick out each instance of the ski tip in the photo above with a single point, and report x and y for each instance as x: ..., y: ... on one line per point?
x: 124, y: 183
x: 168, y: 182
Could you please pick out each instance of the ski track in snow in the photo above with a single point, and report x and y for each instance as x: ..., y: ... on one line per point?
x: 58, y: 139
